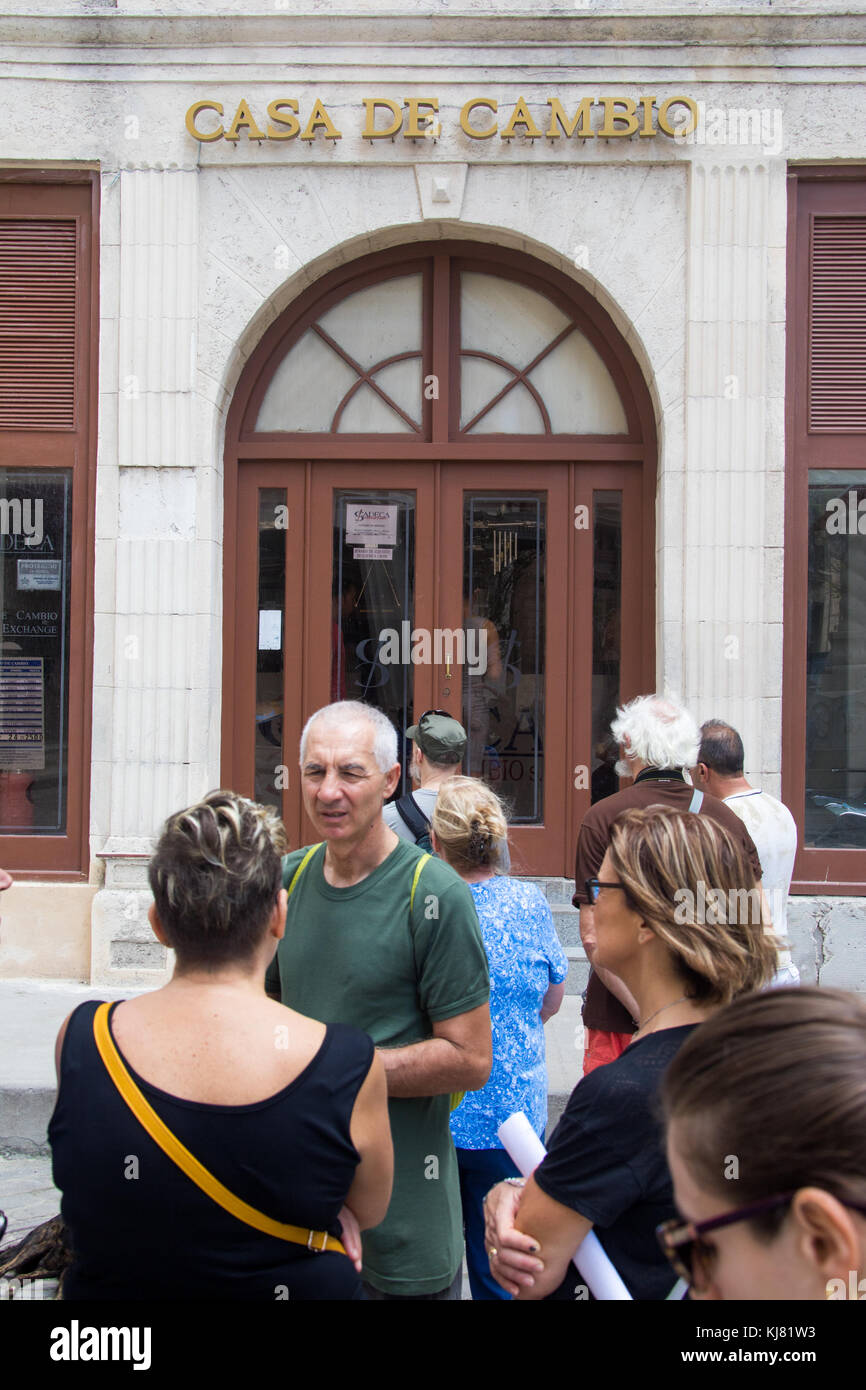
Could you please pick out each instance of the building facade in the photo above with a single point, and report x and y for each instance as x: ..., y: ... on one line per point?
x: 509, y: 364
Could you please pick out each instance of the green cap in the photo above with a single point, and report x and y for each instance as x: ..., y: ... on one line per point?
x: 438, y: 735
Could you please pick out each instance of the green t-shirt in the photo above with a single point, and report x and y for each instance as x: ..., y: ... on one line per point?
x: 352, y: 955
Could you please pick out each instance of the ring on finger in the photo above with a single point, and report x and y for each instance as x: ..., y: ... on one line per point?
x: 492, y: 1253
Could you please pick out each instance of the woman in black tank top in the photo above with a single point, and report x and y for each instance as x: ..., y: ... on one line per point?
x: 288, y: 1114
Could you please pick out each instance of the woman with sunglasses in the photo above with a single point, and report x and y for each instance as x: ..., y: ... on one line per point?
x: 765, y: 1109
x: 673, y: 922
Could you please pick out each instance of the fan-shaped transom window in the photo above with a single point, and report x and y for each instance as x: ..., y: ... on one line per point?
x: 524, y: 362
x: 357, y: 369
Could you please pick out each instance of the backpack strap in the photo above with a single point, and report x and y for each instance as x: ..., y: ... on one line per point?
x: 456, y: 1096
x: 303, y: 864
x: 696, y: 802
x: 418, y: 867
x: 412, y: 816
x: 160, y: 1133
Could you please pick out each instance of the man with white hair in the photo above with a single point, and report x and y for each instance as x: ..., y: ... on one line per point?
x: 658, y: 739
x: 383, y: 937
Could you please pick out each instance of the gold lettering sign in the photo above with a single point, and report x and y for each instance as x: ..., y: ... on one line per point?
x: 386, y: 118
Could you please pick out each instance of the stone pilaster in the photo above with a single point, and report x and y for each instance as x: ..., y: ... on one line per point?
x: 156, y: 676
x: 732, y: 516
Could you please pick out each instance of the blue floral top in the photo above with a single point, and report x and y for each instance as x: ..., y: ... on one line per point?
x: 525, y: 959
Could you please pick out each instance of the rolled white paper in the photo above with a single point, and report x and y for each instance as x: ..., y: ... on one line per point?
x: 526, y: 1151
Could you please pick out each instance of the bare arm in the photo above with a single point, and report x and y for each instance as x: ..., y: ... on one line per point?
x: 457, y: 1058
x: 608, y: 979
x: 552, y: 1001
x: 370, y: 1193
x: 554, y: 1230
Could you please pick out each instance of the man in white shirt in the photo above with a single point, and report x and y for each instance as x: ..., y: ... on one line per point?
x: 720, y: 772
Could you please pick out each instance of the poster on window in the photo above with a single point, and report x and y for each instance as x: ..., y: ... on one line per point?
x: 22, y: 714
x: 370, y: 525
x: 39, y: 574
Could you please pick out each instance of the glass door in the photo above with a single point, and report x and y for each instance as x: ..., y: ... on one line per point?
x: 371, y: 570
x: 509, y: 594
x: 503, y: 595
x: 263, y: 633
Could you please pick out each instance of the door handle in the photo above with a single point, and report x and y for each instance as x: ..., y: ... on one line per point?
x: 448, y: 670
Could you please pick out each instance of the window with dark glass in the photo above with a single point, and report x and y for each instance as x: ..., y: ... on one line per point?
x: 47, y: 366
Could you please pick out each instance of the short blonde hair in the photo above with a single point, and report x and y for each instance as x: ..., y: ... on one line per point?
x: 469, y: 824
x: 671, y: 863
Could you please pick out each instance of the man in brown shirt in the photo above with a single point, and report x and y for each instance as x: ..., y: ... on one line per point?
x: 658, y: 739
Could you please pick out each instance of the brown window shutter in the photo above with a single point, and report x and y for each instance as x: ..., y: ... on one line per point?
x: 37, y: 323
x: 837, y: 325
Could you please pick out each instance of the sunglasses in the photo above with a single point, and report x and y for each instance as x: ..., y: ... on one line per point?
x: 692, y: 1258
x: 690, y: 1255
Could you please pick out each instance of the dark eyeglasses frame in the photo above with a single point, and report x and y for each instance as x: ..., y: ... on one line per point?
x: 436, y: 711
x: 592, y: 886
x: 678, y: 1235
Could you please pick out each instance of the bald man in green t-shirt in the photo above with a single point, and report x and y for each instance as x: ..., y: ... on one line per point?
x: 374, y: 942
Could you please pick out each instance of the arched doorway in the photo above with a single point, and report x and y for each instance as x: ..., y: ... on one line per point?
x: 439, y: 482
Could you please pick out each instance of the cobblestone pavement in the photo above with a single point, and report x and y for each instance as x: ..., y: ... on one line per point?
x: 28, y: 1197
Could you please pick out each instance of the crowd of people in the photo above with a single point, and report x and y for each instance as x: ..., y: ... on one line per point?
x: 313, y: 1102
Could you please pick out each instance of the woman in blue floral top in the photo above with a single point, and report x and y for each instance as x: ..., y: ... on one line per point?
x: 527, y: 972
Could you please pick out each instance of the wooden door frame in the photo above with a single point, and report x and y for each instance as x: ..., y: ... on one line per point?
x: 630, y: 458
x: 530, y: 842
x: 637, y: 635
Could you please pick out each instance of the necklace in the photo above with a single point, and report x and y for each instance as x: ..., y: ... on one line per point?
x: 682, y: 999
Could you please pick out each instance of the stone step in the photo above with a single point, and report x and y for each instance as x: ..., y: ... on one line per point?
x: 567, y: 923
x: 558, y: 891
x: 578, y: 970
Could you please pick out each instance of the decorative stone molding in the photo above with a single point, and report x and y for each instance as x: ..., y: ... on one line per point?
x: 441, y: 188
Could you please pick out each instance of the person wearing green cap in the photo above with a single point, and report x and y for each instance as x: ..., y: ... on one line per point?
x: 439, y: 744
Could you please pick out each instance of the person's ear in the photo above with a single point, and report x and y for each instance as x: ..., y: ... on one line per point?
x: 156, y: 925
x: 391, y: 779
x: 278, y: 916
x: 645, y: 934
x: 826, y: 1236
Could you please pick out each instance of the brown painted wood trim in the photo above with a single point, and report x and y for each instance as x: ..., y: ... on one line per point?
x: 291, y: 326
x: 438, y: 331
x: 530, y: 449
x: 587, y: 314
x: 590, y: 318
x: 837, y: 192
x: 66, y: 858
x: 540, y: 849
x: 601, y: 462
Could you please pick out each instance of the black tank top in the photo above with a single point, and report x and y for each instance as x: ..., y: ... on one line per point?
x: 140, y: 1228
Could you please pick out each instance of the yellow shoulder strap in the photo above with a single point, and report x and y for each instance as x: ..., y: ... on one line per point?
x: 303, y: 864
x: 170, y: 1145
x: 456, y: 1096
x: 418, y: 867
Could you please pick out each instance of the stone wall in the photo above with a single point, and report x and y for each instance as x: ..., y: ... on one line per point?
x: 203, y: 245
